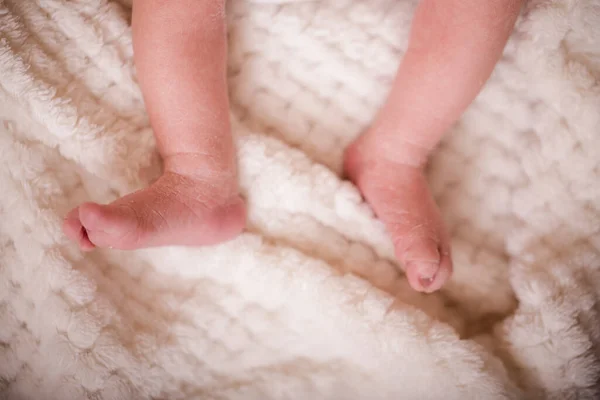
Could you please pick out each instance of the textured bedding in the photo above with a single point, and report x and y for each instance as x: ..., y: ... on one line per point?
x: 308, y: 303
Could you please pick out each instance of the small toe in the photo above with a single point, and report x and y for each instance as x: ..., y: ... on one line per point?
x: 85, y: 243
x: 94, y: 217
x: 75, y: 231
x: 71, y: 225
x: 107, y: 225
x: 427, y: 274
x: 421, y: 262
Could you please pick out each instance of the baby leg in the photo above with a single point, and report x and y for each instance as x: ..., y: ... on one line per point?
x: 453, y: 48
x: 180, y: 54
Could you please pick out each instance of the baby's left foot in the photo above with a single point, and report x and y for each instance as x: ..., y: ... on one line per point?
x: 399, y: 195
x: 189, y: 206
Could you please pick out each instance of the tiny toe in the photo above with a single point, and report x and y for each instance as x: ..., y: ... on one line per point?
x: 108, y: 225
x: 75, y: 231
x: 428, y: 277
x: 84, y: 242
x: 93, y: 217
x: 110, y: 219
x: 422, y: 276
x: 71, y: 225
x: 422, y: 263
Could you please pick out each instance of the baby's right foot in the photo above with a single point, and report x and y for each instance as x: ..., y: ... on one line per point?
x: 185, y: 206
x: 400, y: 197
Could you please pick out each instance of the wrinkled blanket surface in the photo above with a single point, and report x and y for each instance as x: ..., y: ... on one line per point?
x: 308, y: 304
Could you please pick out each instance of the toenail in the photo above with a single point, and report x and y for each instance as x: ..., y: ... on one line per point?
x: 426, y: 281
x: 427, y: 272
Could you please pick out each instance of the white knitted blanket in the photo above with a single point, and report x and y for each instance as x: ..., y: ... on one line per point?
x: 307, y: 304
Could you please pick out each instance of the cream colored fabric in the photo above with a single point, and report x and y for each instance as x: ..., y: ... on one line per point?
x: 308, y: 304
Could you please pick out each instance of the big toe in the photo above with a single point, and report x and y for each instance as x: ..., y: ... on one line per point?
x: 107, y: 225
x: 427, y: 264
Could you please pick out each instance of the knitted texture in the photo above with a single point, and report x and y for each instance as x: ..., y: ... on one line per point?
x: 308, y: 303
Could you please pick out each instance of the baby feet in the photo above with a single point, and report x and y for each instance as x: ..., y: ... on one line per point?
x: 193, y: 205
x: 399, y: 195
x: 183, y: 207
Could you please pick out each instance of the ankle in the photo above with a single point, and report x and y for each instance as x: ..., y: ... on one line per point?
x: 387, y: 149
x: 400, y: 148
x: 199, y: 166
